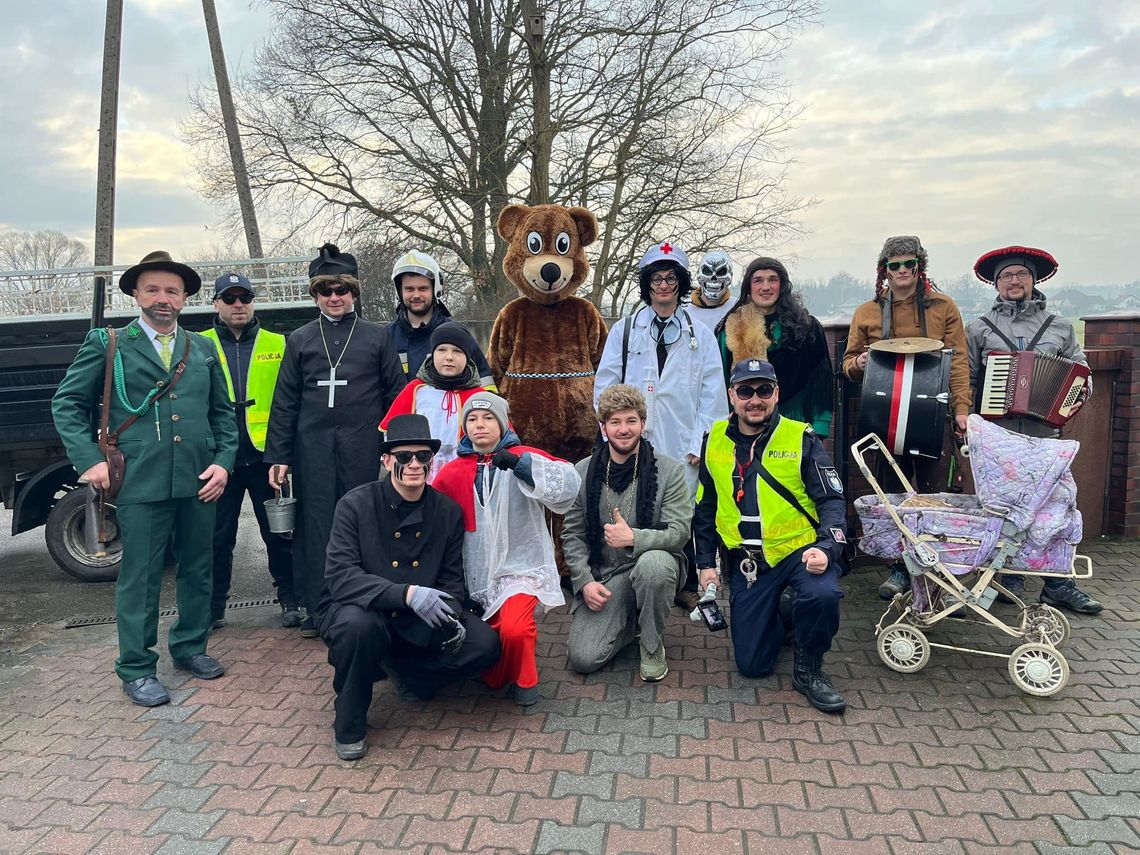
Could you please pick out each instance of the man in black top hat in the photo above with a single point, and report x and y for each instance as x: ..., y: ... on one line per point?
x: 338, y: 379
x: 396, y: 599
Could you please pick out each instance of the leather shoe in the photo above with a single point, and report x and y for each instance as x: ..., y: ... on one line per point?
x: 146, y: 691
x: 350, y: 750
x: 687, y: 600
x: 201, y: 666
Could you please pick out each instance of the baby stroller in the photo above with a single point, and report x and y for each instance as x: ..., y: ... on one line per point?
x: 957, y: 548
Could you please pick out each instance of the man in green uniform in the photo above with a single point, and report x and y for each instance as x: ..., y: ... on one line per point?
x: 179, y: 451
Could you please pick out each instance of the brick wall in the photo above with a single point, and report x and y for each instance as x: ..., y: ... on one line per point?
x: 1113, y: 339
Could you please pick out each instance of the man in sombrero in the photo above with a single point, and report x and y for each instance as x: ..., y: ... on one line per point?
x: 171, y: 411
x: 1019, y: 320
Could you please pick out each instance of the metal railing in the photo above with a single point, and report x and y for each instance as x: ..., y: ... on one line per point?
x: 65, y: 291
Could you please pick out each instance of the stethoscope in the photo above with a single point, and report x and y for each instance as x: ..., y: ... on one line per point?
x: 657, y: 332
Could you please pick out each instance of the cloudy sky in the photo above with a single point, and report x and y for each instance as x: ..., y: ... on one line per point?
x: 969, y: 126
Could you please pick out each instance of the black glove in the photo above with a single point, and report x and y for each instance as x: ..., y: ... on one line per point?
x: 505, y: 459
x: 458, y: 635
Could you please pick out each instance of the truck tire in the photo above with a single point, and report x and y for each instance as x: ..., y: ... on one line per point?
x: 64, y: 533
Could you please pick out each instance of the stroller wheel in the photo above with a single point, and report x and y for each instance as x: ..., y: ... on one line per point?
x: 1038, y: 669
x: 1049, y: 621
x: 903, y: 648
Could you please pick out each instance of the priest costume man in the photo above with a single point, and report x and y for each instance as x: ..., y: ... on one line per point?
x: 339, y: 376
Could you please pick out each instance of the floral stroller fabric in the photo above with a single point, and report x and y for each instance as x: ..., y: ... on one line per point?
x: 1023, y: 519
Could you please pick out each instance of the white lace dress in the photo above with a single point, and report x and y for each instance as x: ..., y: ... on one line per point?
x: 511, y: 550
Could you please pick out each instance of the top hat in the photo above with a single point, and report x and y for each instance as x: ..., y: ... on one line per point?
x: 159, y: 260
x: 408, y: 429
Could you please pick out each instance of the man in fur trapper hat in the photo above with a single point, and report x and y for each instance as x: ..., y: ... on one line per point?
x: 1018, y: 320
x: 909, y: 305
x: 339, y: 376
x: 769, y: 322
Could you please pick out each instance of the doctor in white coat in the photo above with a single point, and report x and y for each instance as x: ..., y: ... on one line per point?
x: 671, y: 358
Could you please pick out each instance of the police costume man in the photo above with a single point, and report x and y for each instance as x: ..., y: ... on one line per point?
x: 419, y: 311
x: 179, y: 451
x: 770, y: 497
x: 397, y: 601
x: 251, y: 359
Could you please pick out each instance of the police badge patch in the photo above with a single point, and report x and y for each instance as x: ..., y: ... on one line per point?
x: 830, y: 478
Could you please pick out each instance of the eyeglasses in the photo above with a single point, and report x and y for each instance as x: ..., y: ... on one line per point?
x: 664, y: 279
x: 1009, y: 275
x: 764, y: 390
x: 329, y: 290
x: 230, y: 299
x: 909, y: 264
x: 406, y: 457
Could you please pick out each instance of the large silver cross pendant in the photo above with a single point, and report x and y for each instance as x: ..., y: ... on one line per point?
x: 332, y: 383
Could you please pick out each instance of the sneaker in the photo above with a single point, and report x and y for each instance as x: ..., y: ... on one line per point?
x: 898, y: 582
x: 1066, y: 595
x: 1014, y: 584
x: 527, y: 697
x: 350, y: 750
x: 653, y: 664
x: 309, y: 627
x: 291, y: 615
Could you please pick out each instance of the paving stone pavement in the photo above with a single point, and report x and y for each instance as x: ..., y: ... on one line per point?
x: 952, y: 759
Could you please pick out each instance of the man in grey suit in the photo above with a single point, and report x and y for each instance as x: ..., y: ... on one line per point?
x: 624, y: 540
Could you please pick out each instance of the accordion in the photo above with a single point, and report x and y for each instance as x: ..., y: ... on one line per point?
x: 1023, y: 383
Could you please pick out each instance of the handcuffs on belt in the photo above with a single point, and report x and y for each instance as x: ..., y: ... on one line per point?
x: 751, y: 565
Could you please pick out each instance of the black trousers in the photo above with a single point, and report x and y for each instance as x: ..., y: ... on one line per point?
x: 360, y: 639
x: 757, y: 629
x: 252, y: 479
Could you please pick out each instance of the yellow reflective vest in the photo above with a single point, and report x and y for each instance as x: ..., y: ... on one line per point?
x: 260, y: 380
x: 784, y: 529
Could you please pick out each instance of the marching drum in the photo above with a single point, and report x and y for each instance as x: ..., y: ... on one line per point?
x: 906, y: 394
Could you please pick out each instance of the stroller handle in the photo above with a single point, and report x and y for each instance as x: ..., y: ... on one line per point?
x: 858, y: 449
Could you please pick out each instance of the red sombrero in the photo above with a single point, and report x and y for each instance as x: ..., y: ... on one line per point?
x: 1045, y: 264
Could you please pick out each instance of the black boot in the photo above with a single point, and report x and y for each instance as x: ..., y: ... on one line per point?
x: 810, y: 681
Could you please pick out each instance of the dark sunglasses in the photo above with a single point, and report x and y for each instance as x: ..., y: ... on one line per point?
x: 764, y: 390
x: 405, y: 457
x: 909, y: 264
x: 328, y: 290
x: 230, y: 299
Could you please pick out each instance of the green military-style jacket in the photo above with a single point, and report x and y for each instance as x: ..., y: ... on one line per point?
x: 175, y: 439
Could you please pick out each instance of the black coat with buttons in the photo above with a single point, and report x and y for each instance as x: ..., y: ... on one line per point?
x: 381, y: 544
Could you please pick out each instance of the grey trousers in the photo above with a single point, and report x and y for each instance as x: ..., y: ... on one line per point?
x: 639, y: 603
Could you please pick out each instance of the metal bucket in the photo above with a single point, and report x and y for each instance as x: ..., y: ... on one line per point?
x: 281, y: 513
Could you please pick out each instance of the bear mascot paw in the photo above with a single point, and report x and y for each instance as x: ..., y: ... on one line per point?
x: 545, y: 345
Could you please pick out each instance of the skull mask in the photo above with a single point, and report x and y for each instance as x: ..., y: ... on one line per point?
x: 714, y: 276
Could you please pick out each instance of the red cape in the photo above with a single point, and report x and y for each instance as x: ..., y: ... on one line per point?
x: 457, y: 480
x: 406, y: 400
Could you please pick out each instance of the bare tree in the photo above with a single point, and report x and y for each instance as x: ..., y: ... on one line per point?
x: 42, y: 250
x: 415, y: 119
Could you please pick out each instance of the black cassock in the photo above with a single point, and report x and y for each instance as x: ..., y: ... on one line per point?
x: 380, y: 544
x: 331, y: 449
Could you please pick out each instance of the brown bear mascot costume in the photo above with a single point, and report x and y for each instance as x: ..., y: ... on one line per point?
x: 546, y: 344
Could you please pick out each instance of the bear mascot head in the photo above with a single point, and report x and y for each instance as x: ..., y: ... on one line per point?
x: 546, y: 344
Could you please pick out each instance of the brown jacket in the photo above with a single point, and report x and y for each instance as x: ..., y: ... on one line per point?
x: 943, y: 321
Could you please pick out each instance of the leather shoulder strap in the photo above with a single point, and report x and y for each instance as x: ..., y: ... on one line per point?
x: 179, y: 370
x: 1040, y: 332
x: 108, y: 381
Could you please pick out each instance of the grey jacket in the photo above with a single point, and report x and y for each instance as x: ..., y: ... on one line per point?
x: 1020, y: 321
x: 673, y: 509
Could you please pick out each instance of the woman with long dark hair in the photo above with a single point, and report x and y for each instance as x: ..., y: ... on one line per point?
x: 769, y: 321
